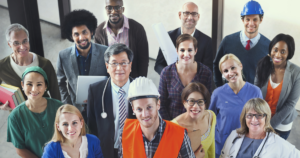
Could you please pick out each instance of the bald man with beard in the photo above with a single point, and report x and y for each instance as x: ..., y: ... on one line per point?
x: 189, y: 17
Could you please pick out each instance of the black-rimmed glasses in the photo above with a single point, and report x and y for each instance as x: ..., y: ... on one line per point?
x: 199, y: 102
x: 258, y: 116
x: 188, y: 13
x: 110, y: 8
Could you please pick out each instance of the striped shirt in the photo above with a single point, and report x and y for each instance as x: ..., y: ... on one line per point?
x: 151, y: 146
x: 122, y: 36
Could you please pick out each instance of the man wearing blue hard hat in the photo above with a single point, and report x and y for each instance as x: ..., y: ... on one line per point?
x: 248, y: 45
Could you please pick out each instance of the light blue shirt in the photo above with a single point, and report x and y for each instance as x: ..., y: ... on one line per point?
x: 115, y: 100
x: 253, y: 41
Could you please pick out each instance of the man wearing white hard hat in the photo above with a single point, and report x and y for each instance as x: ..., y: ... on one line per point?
x: 248, y: 45
x: 148, y: 135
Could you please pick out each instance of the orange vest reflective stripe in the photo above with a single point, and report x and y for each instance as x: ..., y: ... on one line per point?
x: 169, y: 145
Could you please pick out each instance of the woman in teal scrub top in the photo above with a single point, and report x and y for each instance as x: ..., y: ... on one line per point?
x: 31, y: 124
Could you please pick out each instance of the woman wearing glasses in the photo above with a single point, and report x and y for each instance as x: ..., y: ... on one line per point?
x: 279, y: 81
x: 199, y: 122
x: 228, y: 100
x: 256, y: 137
x: 13, y: 66
x: 178, y: 75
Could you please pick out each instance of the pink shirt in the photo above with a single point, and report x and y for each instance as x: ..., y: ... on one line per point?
x: 122, y: 36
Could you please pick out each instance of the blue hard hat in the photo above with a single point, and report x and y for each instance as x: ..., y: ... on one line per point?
x: 252, y: 7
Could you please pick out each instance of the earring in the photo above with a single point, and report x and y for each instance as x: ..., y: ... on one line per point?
x: 133, y: 113
x: 177, y: 60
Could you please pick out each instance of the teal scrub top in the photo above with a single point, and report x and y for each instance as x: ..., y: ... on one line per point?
x: 29, y: 130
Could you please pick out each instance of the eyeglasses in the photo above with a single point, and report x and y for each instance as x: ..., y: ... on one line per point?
x: 192, y: 102
x: 186, y: 14
x: 123, y: 64
x: 258, y: 116
x: 116, y: 8
x: 17, y: 43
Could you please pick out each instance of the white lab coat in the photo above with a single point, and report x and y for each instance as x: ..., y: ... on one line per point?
x: 275, y: 147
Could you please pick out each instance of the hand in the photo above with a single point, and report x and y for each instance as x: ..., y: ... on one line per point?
x: 5, y: 106
x: 200, y: 153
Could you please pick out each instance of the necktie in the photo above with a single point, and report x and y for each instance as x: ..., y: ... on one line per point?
x: 248, y: 45
x: 122, y: 108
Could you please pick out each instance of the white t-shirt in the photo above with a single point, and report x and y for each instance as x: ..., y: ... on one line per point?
x: 20, y: 69
x: 83, y: 149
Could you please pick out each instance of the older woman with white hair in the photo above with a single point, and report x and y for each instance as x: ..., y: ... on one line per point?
x: 256, y: 137
x: 13, y: 66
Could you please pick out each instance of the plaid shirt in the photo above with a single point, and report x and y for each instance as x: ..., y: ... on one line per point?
x: 170, y: 89
x: 84, y: 63
x: 122, y: 36
x: 151, y: 146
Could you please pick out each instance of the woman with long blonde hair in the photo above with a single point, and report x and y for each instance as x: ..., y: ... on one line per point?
x: 70, y: 139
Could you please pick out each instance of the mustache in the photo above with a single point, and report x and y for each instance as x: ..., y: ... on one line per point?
x: 114, y: 15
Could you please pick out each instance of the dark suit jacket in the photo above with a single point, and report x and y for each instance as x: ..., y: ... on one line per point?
x: 204, y: 53
x: 103, y: 128
x: 138, y: 43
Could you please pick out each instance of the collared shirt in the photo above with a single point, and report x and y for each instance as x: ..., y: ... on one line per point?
x: 84, y: 62
x: 151, y: 146
x: 253, y: 41
x: 122, y: 36
x: 191, y: 34
x: 115, y: 100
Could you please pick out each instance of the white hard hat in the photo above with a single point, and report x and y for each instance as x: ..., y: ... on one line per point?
x: 142, y: 87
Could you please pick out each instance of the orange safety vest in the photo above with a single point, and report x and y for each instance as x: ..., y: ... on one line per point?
x: 133, y: 145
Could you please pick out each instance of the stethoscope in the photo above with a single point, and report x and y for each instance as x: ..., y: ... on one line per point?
x: 104, y: 114
x: 260, y: 148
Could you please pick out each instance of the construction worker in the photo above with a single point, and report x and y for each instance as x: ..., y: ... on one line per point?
x: 149, y: 135
x: 248, y: 45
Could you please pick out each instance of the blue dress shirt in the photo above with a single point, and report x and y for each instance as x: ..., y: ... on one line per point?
x: 83, y: 63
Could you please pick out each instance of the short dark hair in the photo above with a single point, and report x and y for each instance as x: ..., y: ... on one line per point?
x: 78, y: 18
x: 116, y: 49
x: 186, y: 37
x: 260, y: 16
x: 196, y: 87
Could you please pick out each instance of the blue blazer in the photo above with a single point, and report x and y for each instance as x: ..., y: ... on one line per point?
x: 53, y: 149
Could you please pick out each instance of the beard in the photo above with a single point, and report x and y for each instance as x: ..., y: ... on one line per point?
x: 85, y: 47
x: 114, y: 22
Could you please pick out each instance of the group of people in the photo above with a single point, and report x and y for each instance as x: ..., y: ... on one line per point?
x: 249, y: 114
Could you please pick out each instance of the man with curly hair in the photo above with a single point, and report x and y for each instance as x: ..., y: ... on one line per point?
x: 84, y: 58
x: 120, y: 29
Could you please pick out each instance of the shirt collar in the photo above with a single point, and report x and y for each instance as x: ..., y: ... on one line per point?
x: 244, y: 38
x: 116, y: 88
x: 125, y: 23
x: 191, y: 34
x: 90, y: 51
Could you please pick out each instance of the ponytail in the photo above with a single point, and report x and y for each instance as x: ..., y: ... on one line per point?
x: 263, y: 70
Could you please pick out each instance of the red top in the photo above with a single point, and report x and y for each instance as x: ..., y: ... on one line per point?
x: 272, y: 96
x: 133, y: 145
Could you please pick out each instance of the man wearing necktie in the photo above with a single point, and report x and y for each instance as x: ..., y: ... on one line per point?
x: 248, y: 45
x: 105, y: 118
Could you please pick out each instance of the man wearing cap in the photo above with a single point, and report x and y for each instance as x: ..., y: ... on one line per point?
x: 107, y: 106
x: 120, y: 29
x: 248, y: 45
x: 149, y: 135
x: 83, y: 58
x: 189, y: 17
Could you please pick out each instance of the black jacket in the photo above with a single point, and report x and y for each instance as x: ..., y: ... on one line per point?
x: 204, y: 53
x: 103, y: 128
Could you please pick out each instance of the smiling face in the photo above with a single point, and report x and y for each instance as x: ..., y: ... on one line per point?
x: 34, y: 85
x: 119, y: 74
x: 82, y: 37
x: 194, y: 111
x: 186, y: 52
x: 189, y: 21
x: 146, y: 111
x: 279, y: 53
x: 256, y: 126
x: 70, y: 126
x: 232, y: 71
x: 114, y: 16
x: 251, y: 24
x: 19, y: 37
